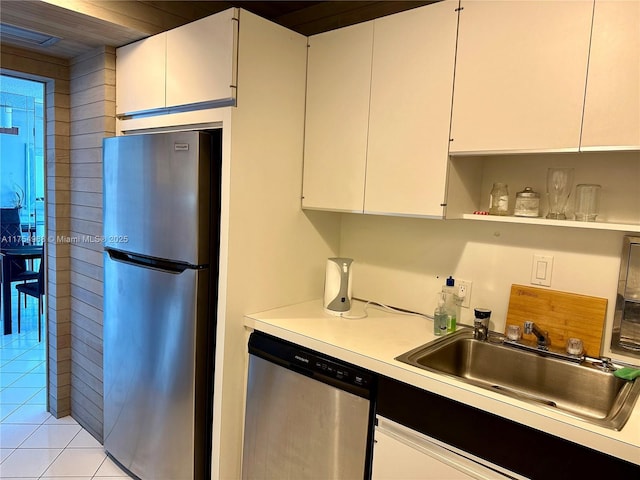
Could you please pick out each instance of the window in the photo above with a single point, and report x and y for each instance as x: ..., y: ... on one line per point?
x: 22, y: 153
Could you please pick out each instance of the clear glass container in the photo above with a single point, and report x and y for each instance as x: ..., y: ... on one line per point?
x: 559, y: 185
x: 499, y: 199
x: 527, y: 203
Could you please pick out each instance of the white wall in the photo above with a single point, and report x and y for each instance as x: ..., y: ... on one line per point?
x: 404, y: 261
x: 273, y: 253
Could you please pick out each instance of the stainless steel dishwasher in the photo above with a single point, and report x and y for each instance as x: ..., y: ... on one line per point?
x: 308, y: 416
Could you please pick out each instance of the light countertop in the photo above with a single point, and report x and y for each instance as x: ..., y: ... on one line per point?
x: 373, y: 343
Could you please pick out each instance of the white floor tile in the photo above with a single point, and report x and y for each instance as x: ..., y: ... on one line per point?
x: 76, y: 461
x: 20, y: 366
x: 11, y: 436
x: 68, y: 420
x: 96, y: 477
x: 33, y: 441
x: 34, y: 354
x: 41, y: 368
x: 17, y: 395
x: 84, y: 440
x: 23, y: 478
x: 65, y: 478
x: 28, y: 462
x: 4, y: 453
x: 51, y: 436
x: 31, y: 380
x: 39, y: 398
x: 28, y: 414
x: 111, y: 470
x: 10, y: 353
x: 7, y: 409
x: 7, y: 378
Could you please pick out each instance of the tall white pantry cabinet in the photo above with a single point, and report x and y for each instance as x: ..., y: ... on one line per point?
x: 271, y: 253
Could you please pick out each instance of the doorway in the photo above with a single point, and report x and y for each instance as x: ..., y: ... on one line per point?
x: 23, y: 369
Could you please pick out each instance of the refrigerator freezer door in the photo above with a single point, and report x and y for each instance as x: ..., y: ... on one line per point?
x: 150, y: 333
x: 157, y: 195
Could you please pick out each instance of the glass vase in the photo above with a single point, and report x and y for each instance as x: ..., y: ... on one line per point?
x: 559, y: 185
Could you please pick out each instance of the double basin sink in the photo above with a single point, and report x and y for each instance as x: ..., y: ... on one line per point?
x: 584, y: 389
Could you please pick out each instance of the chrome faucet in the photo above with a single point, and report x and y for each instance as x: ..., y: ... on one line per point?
x: 481, y: 329
x: 541, y: 336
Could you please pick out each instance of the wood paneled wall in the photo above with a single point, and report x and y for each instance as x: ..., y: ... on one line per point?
x: 54, y: 72
x: 92, y: 89
x: 80, y: 100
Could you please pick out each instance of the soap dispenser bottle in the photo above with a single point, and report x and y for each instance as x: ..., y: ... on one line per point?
x: 450, y: 304
x: 440, y: 317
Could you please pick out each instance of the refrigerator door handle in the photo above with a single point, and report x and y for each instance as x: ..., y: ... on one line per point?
x: 149, y: 262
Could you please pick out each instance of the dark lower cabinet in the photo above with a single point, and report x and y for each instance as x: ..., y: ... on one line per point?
x: 511, y: 445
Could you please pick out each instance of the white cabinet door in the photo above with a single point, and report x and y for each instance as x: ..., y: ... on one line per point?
x: 412, y: 82
x: 140, y: 75
x: 201, y: 60
x: 520, y: 75
x: 403, y: 454
x: 612, y: 102
x: 335, y: 147
x: 190, y: 64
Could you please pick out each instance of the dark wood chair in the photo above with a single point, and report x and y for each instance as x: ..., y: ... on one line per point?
x: 11, y: 236
x: 36, y: 290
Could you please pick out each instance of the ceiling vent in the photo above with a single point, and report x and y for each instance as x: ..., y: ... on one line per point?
x: 10, y: 32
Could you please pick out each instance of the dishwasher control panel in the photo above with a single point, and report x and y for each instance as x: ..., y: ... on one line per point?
x: 312, y: 364
x: 332, y: 369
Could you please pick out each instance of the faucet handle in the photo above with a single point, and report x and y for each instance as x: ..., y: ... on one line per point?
x: 528, y: 326
x: 606, y: 364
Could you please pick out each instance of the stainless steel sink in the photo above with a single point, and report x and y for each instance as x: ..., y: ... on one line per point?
x: 579, y: 389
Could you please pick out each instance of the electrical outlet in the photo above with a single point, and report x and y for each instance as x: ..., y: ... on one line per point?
x: 464, y: 291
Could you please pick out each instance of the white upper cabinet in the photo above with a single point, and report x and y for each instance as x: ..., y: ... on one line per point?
x: 612, y: 102
x: 378, y: 113
x: 201, y: 60
x: 194, y: 63
x: 140, y: 71
x: 412, y: 82
x: 335, y: 146
x: 520, y: 75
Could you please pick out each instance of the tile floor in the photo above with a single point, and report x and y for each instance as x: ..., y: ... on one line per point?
x: 34, y: 444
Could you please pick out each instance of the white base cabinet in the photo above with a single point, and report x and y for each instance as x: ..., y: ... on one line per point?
x: 400, y: 453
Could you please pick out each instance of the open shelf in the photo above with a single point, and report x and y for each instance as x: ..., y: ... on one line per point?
x: 470, y: 180
x: 625, y: 227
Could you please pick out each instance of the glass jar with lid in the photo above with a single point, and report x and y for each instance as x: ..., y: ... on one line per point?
x: 499, y: 199
x: 527, y: 203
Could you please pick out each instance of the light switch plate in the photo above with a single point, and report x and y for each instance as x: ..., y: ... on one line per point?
x: 541, y: 270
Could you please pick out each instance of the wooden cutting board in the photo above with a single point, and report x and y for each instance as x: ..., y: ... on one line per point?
x: 563, y: 315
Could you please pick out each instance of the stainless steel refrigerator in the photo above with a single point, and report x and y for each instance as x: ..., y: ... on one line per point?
x: 161, y: 238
